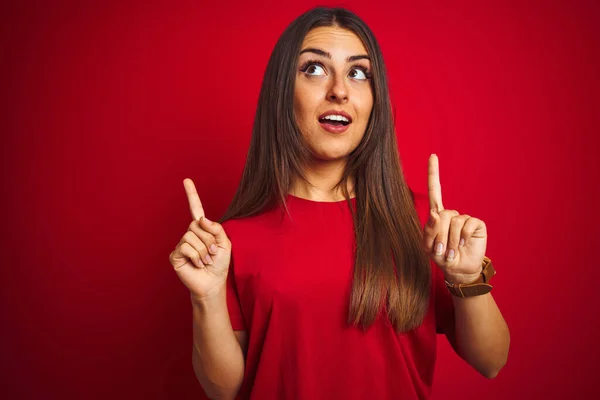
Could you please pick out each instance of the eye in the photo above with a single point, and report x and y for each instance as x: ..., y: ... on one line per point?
x: 358, y: 73
x: 313, y: 69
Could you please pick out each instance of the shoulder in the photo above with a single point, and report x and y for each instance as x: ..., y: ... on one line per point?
x: 239, y: 226
x: 248, y: 228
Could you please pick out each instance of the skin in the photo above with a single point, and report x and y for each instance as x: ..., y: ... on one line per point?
x: 201, y: 260
x: 336, y: 84
x: 457, y: 243
x: 461, y: 263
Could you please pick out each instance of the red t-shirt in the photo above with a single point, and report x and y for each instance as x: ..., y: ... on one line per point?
x: 289, y: 287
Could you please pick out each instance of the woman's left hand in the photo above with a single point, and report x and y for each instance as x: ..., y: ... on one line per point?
x: 455, y: 242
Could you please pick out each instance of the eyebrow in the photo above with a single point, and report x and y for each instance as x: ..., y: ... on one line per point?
x: 328, y: 55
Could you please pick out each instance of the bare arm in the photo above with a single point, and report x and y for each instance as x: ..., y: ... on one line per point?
x: 479, y: 334
x: 217, y: 355
x: 457, y: 244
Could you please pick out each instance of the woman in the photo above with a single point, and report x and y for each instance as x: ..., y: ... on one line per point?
x: 317, y: 285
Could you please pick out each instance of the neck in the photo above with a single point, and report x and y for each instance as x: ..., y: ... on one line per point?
x: 322, y: 178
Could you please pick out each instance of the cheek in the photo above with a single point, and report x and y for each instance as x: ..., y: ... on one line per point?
x: 299, y: 103
x: 307, y: 96
x: 367, y: 103
x: 364, y: 108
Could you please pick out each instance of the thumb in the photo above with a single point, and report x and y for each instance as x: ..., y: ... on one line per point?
x: 216, y: 230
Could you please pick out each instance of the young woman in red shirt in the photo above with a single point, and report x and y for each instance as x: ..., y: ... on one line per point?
x: 323, y: 280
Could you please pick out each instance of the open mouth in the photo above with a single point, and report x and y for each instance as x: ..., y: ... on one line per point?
x: 334, y: 122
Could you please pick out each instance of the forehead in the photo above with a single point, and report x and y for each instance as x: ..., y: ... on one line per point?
x: 334, y: 39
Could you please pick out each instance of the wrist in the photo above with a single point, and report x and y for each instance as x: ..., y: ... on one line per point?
x: 208, y: 301
x: 462, y: 278
x: 466, y: 285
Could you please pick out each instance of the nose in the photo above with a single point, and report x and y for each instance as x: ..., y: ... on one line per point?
x: 338, y: 91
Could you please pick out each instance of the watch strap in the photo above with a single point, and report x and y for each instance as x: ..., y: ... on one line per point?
x: 477, y: 287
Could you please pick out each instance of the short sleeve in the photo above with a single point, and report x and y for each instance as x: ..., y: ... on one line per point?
x: 233, y: 302
x: 444, y: 306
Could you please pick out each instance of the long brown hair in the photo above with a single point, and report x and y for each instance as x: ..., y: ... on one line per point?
x: 391, y: 268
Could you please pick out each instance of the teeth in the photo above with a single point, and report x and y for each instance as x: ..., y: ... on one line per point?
x: 336, y: 118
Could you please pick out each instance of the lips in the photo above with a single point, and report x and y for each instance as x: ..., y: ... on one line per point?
x: 335, y: 126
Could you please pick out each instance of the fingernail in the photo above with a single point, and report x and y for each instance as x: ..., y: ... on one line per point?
x: 208, y: 259
x: 462, y: 242
x: 213, y: 249
x: 439, y: 249
x: 208, y: 221
x: 450, y: 255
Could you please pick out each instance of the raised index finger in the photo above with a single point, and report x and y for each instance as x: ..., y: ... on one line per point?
x: 435, y: 188
x: 194, y: 200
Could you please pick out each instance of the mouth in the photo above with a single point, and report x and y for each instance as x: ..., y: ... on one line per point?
x: 335, y: 121
x: 334, y: 126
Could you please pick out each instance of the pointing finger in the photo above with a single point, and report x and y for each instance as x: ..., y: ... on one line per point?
x: 435, y: 188
x: 194, y: 200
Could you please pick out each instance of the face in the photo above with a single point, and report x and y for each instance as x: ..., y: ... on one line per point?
x: 333, y: 78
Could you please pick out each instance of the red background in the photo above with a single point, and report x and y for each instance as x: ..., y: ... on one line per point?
x: 108, y: 106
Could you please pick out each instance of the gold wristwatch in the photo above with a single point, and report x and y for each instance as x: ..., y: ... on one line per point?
x: 479, y: 286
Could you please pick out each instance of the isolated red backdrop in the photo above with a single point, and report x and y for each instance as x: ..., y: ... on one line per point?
x: 108, y: 106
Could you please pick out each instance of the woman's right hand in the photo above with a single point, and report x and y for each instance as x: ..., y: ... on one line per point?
x: 201, y: 258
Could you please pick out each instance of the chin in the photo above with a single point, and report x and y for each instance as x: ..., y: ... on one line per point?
x: 331, y: 150
x: 330, y: 156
